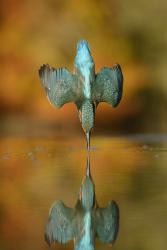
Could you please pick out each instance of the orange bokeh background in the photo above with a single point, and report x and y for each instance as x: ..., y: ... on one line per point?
x: 41, y: 159
x: 131, y: 33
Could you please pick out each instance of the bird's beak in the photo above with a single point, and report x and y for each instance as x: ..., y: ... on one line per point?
x: 88, y: 140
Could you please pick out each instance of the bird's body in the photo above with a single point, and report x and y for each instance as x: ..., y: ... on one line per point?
x: 85, y: 68
x: 86, y: 241
x: 85, y: 88
x: 85, y: 222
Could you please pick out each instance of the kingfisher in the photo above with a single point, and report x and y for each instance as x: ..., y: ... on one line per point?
x: 83, y: 87
x: 85, y: 222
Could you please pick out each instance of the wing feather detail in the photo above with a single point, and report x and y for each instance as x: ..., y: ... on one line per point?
x: 107, y: 223
x: 60, y: 85
x: 108, y: 86
x: 61, y: 224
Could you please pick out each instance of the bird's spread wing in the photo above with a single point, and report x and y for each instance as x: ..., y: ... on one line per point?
x: 108, y: 86
x: 61, y: 224
x: 61, y: 86
x: 107, y: 222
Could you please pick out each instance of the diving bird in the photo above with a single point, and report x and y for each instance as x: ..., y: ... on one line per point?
x: 85, y: 88
x: 85, y: 222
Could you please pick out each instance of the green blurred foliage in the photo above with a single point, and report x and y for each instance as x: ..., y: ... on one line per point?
x: 132, y: 33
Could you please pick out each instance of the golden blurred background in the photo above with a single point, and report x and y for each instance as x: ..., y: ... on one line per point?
x: 132, y: 33
x: 42, y: 149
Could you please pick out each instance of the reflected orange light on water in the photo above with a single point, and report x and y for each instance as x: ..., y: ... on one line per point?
x: 35, y: 172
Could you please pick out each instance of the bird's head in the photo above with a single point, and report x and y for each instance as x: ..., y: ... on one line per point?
x: 87, y: 115
x: 87, y: 190
x: 87, y: 193
x: 83, y: 54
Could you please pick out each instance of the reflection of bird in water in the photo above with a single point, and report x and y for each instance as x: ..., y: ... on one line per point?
x: 85, y: 88
x: 84, y: 222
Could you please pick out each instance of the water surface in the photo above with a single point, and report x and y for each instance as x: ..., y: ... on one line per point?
x: 130, y: 169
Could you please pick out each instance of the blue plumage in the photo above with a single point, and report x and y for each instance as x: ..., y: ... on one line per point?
x: 85, y: 88
x: 85, y: 221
